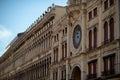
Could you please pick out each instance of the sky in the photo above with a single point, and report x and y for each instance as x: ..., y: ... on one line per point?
x: 17, y: 15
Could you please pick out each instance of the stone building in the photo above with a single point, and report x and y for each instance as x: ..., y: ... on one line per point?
x: 78, y: 42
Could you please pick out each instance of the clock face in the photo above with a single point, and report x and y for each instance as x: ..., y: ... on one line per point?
x: 77, y: 36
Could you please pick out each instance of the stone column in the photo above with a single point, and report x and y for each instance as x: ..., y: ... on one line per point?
x: 83, y: 26
x: 99, y: 67
x: 51, y: 74
x: 67, y: 70
x: 118, y: 37
x: 68, y: 40
x: 83, y: 56
x: 99, y: 39
x: 60, y: 46
x: 58, y: 73
x: 68, y: 50
x: 117, y: 61
x: 117, y: 20
x: 83, y: 67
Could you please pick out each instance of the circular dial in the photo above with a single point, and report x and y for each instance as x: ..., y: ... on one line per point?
x: 77, y: 36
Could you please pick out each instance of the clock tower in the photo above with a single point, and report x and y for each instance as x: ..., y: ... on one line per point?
x: 76, y: 11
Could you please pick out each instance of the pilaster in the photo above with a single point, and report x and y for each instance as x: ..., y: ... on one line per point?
x: 83, y: 26
x: 83, y: 67
x: 67, y: 70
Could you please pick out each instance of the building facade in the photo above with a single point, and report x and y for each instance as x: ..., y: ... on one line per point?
x: 78, y: 42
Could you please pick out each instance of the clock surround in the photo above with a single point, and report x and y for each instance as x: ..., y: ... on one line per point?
x: 77, y: 35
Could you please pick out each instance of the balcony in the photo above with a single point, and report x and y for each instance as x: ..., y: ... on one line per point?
x: 108, y: 72
x: 92, y: 48
x: 107, y: 41
x: 91, y: 76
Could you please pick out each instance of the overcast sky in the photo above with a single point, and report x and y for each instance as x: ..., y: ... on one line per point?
x: 17, y: 15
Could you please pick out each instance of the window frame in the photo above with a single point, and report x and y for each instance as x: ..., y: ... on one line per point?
x: 106, y: 5
x: 111, y: 25
x: 92, y: 69
x: 90, y: 15
x: 90, y: 39
x: 109, y: 65
x: 106, y: 32
x: 95, y: 37
x: 95, y: 12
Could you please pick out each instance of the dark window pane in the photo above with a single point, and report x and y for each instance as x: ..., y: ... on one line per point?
x: 111, y: 2
x: 90, y: 15
x: 95, y: 12
x: 95, y: 37
x: 105, y: 32
x: 111, y: 29
x: 106, y: 4
x: 90, y: 39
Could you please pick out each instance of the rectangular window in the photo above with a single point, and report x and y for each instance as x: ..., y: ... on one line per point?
x: 63, y: 51
x: 95, y: 12
x: 57, y: 37
x: 66, y: 30
x: 63, y: 32
x: 109, y: 65
x: 90, y: 15
x: 54, y: 38
x: 90, y: 39
x: 55, y: 55
x: 55, y: 75
x: 95, y: 37
x: 63, y: 73
x: 92, y: 69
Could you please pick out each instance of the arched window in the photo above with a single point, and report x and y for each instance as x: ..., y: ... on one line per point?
x: 111, y: 29
x: 90, y: 39
x: 95, y: 37
x: 105, y: 32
